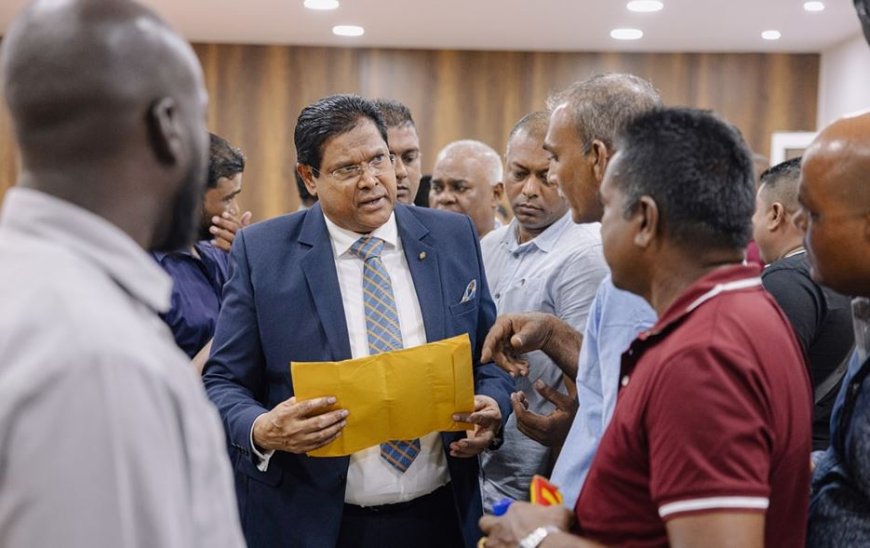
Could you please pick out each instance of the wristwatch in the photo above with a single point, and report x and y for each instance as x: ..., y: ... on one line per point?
x: 536, y: 537
x: 497, y: 441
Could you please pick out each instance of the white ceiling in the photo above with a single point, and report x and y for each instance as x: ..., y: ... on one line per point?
x: 525, y: 25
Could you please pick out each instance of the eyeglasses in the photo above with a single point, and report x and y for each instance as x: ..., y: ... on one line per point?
x: 377, y: 164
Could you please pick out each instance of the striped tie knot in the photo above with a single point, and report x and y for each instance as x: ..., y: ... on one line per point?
x: 367, y: 247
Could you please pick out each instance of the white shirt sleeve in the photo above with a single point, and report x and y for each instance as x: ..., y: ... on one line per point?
x: 264, y: 458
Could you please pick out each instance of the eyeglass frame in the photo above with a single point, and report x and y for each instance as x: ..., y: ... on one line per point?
x: 363, y: 167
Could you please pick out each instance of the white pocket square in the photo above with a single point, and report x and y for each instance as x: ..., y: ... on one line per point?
x: 470, y: 291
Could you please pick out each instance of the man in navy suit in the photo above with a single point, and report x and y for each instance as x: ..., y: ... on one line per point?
x: 302, y: 291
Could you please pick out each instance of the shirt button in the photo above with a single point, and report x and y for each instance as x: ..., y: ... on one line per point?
x: 498, y: 295
x: 624, y: 382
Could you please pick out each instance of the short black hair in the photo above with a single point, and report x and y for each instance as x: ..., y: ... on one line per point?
x: 602, y: 105
x: 328, y: 117
x: 790, y: 169
x: 534, y: 124
x: 224, y: 160
x: 698, y: 170
x: 780, y: 184
x: 395, y: 114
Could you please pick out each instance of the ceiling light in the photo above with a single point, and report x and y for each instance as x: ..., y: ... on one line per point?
x: 348, y: 30
x: 321, y: 4
x: 626, y: 34
x: 771, y: 35
x: 814, y: 6
x: 644, y: 6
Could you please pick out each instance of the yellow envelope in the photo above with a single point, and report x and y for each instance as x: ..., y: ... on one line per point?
x: 398, y: 395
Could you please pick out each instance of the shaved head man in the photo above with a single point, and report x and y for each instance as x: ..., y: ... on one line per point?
x: 108, y: 440
x: 467, y: 178
x: 821, y: 318
x: 101, y: 113
x: 835, y: 200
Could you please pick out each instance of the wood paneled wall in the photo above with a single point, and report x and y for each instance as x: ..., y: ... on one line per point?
x: 256, y: 93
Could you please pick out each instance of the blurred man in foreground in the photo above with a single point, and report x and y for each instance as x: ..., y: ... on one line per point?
x: 108, y: 439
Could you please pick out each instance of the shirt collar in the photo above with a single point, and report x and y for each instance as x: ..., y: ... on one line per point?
x: 721, y: 280
x: 343, y: 238
x: 90, y: 236
x: 160, y: 255
x: 545, y: 241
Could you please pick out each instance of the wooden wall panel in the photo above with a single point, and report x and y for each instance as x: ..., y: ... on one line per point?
x: 256, y: 93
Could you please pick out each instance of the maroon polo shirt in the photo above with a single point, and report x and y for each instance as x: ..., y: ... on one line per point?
x: 713, y: 414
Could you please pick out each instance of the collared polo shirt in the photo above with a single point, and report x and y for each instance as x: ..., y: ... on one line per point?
x: 713, y: 415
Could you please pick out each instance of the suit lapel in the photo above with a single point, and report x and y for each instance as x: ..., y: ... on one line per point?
x: 318, y: 265
x: 422, y: 259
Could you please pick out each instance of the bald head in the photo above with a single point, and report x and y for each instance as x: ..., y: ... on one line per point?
x: 474, y: 152
x: 108, y: 107
x: 77, y: 74
x: 467, y: 179
x: 835, y: 196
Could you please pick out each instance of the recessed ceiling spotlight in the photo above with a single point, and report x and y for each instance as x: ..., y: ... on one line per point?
x: 814, y: 6
x: 626, y: 34
x: 771, y: 35
x: 348, y: 30
x: 321, y: 4
x: 644, y: 6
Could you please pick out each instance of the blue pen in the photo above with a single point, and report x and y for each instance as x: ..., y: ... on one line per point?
x: 500, y: 508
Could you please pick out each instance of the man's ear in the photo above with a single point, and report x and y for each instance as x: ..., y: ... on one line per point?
x: 497, y: 191
x: 304, y: 171
x: 776, y: 217
x: 164, y: 131
x: 599, y: 156
x: 646, y: 215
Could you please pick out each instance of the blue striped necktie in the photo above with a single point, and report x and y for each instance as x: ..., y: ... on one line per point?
x: 382, y: 328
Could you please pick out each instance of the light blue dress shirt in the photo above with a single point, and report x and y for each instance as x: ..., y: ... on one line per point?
x: 557, y: 272
x: 615, y: 320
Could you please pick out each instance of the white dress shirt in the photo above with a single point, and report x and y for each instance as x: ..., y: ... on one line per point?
x: 371, y: 480
x: 106, y: 435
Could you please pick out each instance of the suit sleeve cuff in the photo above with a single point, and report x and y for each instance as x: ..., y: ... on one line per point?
x: 262, y: 459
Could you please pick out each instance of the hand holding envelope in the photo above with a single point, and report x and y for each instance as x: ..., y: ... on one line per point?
x: 401, y: 395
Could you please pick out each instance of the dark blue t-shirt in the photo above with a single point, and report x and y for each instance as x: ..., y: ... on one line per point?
x: 197, y: 286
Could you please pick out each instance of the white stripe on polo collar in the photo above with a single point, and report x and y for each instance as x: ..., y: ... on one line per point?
x: 744, y: 503
x: 723, y: 288
x: 794, y: 252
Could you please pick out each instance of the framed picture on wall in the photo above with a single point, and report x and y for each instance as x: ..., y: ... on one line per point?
x: 785, y: 145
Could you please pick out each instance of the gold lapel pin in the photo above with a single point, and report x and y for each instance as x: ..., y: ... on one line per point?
x: 422, y: 255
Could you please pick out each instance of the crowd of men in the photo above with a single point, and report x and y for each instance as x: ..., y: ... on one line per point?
x: 622, y: 345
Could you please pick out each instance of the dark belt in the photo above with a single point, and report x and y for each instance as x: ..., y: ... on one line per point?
x: 397, y: 507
